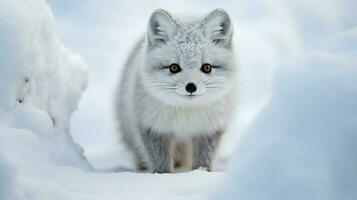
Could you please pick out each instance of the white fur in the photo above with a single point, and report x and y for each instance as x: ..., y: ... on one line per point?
x: 150, y: 97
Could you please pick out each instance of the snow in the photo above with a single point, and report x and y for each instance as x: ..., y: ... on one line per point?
x: 38, y: 177
x: 41, y: 81
x: 303, y: 143
x: 296, y: 121
x: 7, y: 190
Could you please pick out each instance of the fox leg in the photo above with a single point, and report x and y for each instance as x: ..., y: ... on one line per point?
x: 159, y: 151
x: 183, y: 155
x: 204, y: 150
x: 140, y: 165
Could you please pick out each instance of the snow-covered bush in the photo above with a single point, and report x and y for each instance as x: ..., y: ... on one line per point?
x: 41, y: 83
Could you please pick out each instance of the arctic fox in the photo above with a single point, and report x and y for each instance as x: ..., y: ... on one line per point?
x: 176, y: 94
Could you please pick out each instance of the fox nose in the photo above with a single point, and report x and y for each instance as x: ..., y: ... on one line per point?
x: 191, y: 87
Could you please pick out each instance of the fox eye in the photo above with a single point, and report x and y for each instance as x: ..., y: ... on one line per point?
x: 206, y: 68
x: 174, y: 68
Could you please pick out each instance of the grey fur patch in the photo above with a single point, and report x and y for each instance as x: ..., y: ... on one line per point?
x: 204, y: 150
x: 158, y: 148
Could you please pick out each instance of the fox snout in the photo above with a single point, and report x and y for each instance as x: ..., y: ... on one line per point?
x: 191, y: 87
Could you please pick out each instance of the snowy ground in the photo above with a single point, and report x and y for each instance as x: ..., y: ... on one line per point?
x: 296, y: 124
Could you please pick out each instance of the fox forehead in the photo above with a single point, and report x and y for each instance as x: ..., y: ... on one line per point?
x: 189, y: 48
x: 188, y: 43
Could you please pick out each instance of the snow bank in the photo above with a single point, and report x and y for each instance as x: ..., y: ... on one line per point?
x: 41, y: 83
x: 303, y: 144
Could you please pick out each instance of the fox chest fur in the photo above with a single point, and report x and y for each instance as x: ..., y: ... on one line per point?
x: 182, y: 122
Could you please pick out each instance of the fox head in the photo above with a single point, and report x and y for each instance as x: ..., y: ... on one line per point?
x: 189, y: 62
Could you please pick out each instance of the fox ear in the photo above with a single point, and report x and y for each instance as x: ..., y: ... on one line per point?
x: 218, y: 28
x: 161, y: 28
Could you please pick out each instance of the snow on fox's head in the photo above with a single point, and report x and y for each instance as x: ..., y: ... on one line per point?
x: 189, y: 62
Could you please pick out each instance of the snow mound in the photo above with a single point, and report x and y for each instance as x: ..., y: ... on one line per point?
x: 41, y: 83
x: 303, y: 144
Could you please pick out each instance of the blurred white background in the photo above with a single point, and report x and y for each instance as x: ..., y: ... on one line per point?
x: 267, y: 34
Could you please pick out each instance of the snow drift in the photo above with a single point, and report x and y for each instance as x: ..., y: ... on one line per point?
x: 41, y: 83
x: 303, y: 144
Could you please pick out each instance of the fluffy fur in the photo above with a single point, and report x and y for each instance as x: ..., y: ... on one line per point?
x: 159, y: 120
